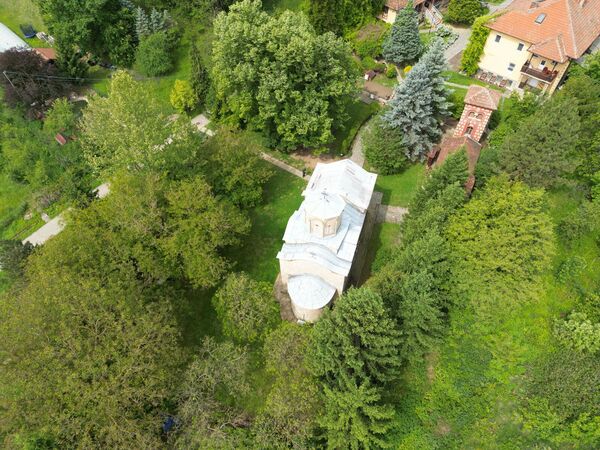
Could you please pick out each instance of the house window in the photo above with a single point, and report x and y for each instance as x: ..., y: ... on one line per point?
x: 498, y: 37
x: 543, y: 63
x: 540, y: 18
x: 511, y: 67
x: 520, y: 46
x: 469, y: 131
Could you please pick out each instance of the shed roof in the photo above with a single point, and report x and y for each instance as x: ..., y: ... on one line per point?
x: 8, y: 39
x: 397, y: 5
x: 49, y: 54
x: 483, y: 97
x: 556, y: 29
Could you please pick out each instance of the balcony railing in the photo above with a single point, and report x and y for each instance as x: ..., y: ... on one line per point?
x: 546, y: 74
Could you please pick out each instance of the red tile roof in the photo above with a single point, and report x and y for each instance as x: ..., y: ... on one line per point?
x: 567, y: 30
x: 49, y: 54
x: 483, y: 97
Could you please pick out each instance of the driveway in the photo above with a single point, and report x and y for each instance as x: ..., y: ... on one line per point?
x: 458, y: 46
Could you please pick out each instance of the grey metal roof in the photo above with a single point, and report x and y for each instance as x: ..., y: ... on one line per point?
x: 336, y: 252
x: 309, y: 291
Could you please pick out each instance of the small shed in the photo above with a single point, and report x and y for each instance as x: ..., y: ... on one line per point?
x: 369, y: 75
x: 47, y: 54
x: 62, y: 140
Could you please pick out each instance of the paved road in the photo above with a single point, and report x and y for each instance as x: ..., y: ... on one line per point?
x: 495, y: 8
x: 459, y: 45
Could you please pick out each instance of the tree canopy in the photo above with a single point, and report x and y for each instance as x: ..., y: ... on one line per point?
x: 403, y: 44
x: 275, y: 74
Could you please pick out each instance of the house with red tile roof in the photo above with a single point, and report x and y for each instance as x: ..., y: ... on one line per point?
x: 534, y: 41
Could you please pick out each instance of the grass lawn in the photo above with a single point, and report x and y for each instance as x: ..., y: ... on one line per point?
x: 385, y: 81
x: 399, y: 189
x: 359, y: 112
x: 385, y: 237
x: 16, y: 12
x: 458, y: 78
x: 12, y: 206
x: 257, y: 255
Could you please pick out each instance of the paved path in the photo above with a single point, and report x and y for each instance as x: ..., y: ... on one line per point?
x: 391, y: 214
x: 356, y: 151
x: 52, y: 228
x: 459, y: 45
x: 201, y: 122
x: 283, y: 166
x: 496, y: 8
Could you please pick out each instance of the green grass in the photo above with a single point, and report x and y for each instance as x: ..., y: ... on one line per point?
x: 16, y: 12
x: 399, y: 189
x: 385, y: 81
x: 463, y: 80
x: 258, y: 254
x: 385, y: 237
x: 358, y: 113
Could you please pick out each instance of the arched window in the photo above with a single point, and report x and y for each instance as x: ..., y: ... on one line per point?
x: 469, y: 130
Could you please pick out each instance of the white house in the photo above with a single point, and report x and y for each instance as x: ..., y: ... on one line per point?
x: 322, y: 236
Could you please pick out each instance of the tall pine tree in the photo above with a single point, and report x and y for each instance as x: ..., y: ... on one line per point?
x: 403, y: 45
x: 355, y: 354
x: 199, y: 78
x: 419, y: 104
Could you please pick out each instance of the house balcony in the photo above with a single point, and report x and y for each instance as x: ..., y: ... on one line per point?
x: 546, y: 75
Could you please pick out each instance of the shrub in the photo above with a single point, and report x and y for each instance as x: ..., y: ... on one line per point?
x: 368, y: 40
x: 457, y: 98
x: 472, y: 54
x: 384, y: 148
x: 465, y: 11
x: 390, y: 71
x: 182, y: 96
x: 368, y: 63
x: 578, y: 333
x: 246, y: 308
x: 153, y: 56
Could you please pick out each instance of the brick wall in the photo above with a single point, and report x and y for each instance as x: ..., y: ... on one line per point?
x: 475, y: 117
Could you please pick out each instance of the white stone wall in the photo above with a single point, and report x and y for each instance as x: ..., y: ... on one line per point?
x: 291, y: 268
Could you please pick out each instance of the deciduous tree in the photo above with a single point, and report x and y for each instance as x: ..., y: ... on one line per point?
x: 246, y: 308
x: 275, y: 74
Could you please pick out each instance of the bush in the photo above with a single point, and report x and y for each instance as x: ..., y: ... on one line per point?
x: 457, y: 98
x: 246, y: 308
x: 182, y: 96
x: 153, y: 56
x: 472, y: 54
x: 465, y: 11
x: 368, y: 63
x: 384, y: 148
x: 368, y: 40
x: 391, y: 72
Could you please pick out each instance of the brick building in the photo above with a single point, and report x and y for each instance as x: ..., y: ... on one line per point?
x: 480, y: 103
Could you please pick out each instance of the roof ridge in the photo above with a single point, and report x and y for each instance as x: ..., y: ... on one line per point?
x: 571, y: 29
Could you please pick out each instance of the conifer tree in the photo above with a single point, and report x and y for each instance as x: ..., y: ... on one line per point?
x: 419, y: 104
x: 435, y: 63
x: 404, y: 44
x: 356, y: 343
x: 354, y: 418
x: 411, y: 111
x: 354, y: 354
x: 199, y: 78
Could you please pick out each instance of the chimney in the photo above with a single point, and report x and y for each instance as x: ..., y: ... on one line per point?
x: 582, y: 3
